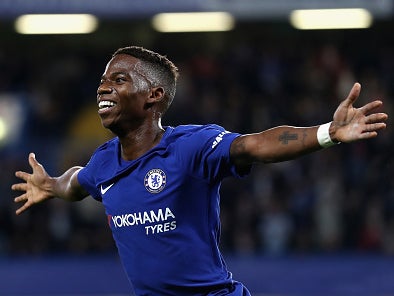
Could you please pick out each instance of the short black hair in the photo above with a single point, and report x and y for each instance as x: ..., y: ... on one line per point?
x: 158, y: 68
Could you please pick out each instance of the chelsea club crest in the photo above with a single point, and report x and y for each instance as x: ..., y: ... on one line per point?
x: 155, y: 180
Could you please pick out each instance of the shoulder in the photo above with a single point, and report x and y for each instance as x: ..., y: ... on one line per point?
x: 109, y: 147
x: 102, y: 164
x: 105, y: 152
x: 194, y: 129
x: 195, y: 136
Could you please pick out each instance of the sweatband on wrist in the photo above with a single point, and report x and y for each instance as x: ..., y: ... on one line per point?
x: 323, y: 136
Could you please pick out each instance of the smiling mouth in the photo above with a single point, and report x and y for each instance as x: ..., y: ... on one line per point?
x: 105, y: 105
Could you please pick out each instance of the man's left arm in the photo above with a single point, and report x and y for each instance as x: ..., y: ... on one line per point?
x: 287, y: 142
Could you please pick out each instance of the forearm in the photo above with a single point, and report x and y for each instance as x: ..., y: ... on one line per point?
x: 67, y: 186
x: 277, y: 144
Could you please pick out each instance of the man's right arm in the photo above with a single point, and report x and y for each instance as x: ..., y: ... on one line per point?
x: 39, y: 186
x: 67, y: 186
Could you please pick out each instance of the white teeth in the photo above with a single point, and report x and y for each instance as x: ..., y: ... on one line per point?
x: 106, y: 104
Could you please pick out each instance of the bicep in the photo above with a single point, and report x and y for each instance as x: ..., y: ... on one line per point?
x: 240, y: 155
x: 76, y: 190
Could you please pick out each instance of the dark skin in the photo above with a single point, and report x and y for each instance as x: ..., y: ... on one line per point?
x: 284, y: 142
x: 135, y: 118
x: 133, y: 112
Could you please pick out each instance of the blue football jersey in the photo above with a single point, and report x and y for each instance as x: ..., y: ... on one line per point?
x: 163, y: 210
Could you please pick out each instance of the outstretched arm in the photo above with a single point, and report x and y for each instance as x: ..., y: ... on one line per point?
x: 286, y: 142
x: 39, y: 186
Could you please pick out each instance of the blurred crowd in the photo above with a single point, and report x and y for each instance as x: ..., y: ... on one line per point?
x: 339, y: 199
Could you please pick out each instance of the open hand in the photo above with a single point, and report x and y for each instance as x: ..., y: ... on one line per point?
x: 352, y: 124
x: 36, y: 185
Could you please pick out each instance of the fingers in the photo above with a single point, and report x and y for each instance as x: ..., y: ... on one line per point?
x: 375, y: 127
x: 368, y: 135
x: 22, y: 175
x: 371, y: 106
x: 20, y: 198
x: 376, y: 118
x: 19, y: 187
x: 378, y: 126
x: 22, y: 208
x: 373, y: 124
x: 374, y: 121
x: 25, y: 206
x: 353, y: 95
x: 33, y: 161
x: 25, y: 186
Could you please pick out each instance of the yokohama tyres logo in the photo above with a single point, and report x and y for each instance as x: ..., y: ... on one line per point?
x: 162, y: 220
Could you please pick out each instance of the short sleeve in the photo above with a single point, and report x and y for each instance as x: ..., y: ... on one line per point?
x: 205, y: 153
x: 86, y: 178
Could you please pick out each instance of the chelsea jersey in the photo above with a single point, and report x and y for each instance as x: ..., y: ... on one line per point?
x: 163, y: 210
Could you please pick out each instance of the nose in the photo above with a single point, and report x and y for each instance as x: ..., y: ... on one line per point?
x: 104, y: 88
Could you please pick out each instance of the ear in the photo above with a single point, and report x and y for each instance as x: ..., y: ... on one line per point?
x: 156, y: 95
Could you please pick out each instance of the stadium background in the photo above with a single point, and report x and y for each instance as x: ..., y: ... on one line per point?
x: 320, y: 225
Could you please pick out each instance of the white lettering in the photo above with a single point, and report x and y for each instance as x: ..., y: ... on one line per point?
x: 157, y: 218
x: 169, y: 214
x: 218, y: 139
x: 137, y: 218
x: 159, y: 228
x: 147, y: 217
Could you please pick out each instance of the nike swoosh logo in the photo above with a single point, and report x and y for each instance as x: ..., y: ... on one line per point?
x: 104, y: 190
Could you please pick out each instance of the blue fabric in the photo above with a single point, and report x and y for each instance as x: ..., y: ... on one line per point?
x: 163, y: 210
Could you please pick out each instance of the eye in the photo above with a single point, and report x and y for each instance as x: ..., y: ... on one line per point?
x: 120, y: 79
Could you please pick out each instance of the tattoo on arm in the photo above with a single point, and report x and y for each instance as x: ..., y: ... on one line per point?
x: 285, y: 137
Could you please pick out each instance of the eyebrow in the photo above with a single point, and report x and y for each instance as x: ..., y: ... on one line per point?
x: 115, y: 74
x: 134, y: 70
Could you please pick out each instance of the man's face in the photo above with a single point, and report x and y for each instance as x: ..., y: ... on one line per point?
x: 122, y: 94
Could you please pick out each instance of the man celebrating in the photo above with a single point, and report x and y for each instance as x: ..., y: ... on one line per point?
x: 160, y: 184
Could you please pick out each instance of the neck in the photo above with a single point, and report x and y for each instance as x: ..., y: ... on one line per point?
x: 139, y: 141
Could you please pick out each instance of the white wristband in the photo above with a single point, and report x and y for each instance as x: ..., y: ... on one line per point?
x: 323, y: 136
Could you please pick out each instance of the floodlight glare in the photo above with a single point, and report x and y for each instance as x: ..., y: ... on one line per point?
x: 318, y: 19
x: 3, y: 129
x: 56, y: 24
x: 193, y: 22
